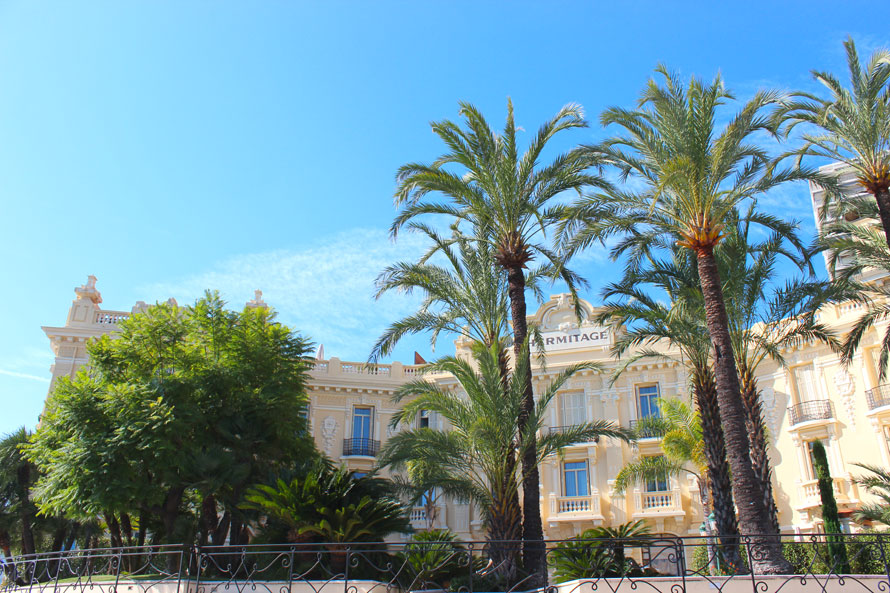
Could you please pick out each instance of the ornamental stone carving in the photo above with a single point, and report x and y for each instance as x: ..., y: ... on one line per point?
x: 846, y: 388
x: 768, y: 403
x: 328, y: 432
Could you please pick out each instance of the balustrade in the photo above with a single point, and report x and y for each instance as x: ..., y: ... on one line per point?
x: 818, y: 409
x: 878, y: 397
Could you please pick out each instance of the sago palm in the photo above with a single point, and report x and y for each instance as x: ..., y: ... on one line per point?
x: 508, y: 199
x: 680, y: 324
x: 692, y: 175
x: 471, y: 460
x: 852, y: 125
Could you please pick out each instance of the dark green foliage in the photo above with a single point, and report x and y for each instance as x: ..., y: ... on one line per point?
x: 599, y: 552
x: 830, y: 520
x: 816, y: 556
x: 172, y: 420
x: 433, y: 559
x: 331, y: 505
x: 488, y: 582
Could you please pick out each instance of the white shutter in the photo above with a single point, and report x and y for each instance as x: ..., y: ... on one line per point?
x: 805, y: 379
x: 574, y: 409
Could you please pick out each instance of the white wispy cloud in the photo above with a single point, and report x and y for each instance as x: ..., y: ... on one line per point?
x: 325, y: 291
x: 24, y: 376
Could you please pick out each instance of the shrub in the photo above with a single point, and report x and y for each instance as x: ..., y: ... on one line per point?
x: 433, y: 558
x: 599, y: 552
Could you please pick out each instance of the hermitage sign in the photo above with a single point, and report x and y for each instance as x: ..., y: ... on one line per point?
x: 582, y: 337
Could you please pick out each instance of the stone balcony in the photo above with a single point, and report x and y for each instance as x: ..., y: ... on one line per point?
x: 420, y: 517
x: 576, y: 508
x: 334, y: 367
x: 809, y: 498
x: 655, y: 505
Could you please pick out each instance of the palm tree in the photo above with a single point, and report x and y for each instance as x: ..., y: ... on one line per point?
x: 467, y: 461
x: 877, y: 485
x: 853, y: 126
x: 766, y: 317
x: 679, y: 427
x: 509, y: 202
x: 693, y: 177
x: 17, y: 476
x: 681, y: 325
x: 468, y: 297
x: 866, y: 249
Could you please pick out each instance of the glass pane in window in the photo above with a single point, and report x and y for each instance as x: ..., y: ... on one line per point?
x: 575, y: 478
x: 361, y: 423
x: 648, y: 399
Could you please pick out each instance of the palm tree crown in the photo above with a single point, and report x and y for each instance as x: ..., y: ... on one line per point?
x: 467, y: 297
x: 693, y: 177
x: 853, y: 125
x: 508, y: 200
x: 474, y: 458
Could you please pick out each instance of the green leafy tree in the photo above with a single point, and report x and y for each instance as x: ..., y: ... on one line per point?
x: 830, y: 521
x: 181, y: 396
x: 467, y: 461
x: 679, y: 428
x: 433, y: 558
x: 508, y: 200
x: 852, y: 125
x: 693, y: 176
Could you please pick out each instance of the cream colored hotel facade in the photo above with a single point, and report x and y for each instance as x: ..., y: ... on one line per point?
x: 814, y: 397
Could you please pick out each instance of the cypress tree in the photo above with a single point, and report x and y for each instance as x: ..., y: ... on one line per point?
x: 830, y: 521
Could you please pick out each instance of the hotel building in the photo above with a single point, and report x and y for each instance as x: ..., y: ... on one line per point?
x: 813, y: 397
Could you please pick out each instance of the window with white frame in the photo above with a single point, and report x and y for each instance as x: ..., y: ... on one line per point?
x: 423, y: 419
x: 575, y: 478
x: 647, y: 401
x: 805, y: 383
x: 574, y: 408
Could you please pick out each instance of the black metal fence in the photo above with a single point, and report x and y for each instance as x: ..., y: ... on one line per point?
x: 661, y: 564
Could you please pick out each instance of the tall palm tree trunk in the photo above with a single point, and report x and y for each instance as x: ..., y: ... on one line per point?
x: 754, y: 520
x: 759, y: 445
x: 504, y: 531
x: 534, y: 553
x: 882, y: 197
x: 719, y: 480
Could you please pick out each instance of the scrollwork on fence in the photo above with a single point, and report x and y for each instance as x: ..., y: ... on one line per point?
x: 657, y: 564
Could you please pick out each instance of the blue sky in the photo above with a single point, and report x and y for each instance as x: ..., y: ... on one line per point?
x: 173, y: 146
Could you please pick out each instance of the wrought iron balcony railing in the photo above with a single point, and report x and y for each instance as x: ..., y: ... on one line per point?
x: 819, y: 409
x: 362, y: 447
x: 878, y: 397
